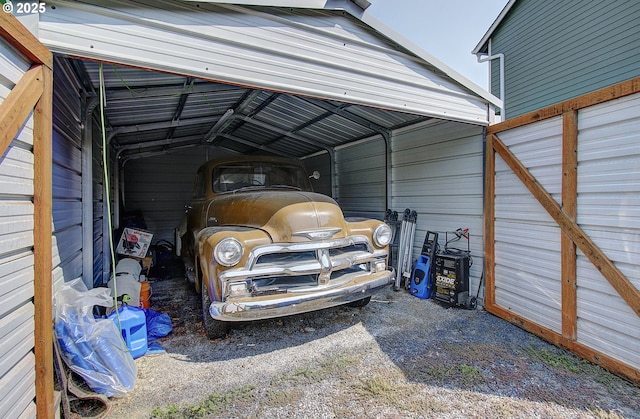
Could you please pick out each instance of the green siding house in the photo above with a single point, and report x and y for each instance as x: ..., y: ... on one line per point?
x: 557, y: 50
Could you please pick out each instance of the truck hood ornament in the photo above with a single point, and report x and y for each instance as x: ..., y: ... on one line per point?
x: 319, y: 234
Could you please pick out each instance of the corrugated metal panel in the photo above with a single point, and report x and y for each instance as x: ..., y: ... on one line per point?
x: 12, y: 67
x: 609, y: 212
x: 160, y: 194
x: 527, y: 240
x: 437, y: 170
x: 67, y: 177
x: 68, y: 216
x: 17, y: 388
x: 98, y: 212
x: 361, y: 178
x: 572, y: 48
x: 262, y: 121
x: 17, y: 366
x: 322, y: 163
x: 323, y: 54
x: 335, y: 130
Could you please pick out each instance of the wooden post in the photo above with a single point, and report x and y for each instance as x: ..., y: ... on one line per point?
x: 42, y: 200
x: 569, y: 207
x: 489, y: 222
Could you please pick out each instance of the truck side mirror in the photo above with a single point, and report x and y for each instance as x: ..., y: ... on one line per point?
x: 315, y: 175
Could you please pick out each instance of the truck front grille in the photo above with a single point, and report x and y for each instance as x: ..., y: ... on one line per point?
x: 292, y: 267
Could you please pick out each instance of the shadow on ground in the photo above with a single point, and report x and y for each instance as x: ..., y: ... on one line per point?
x: 399, y: 356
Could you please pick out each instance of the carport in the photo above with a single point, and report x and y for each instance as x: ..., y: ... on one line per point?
x: 387, y: 125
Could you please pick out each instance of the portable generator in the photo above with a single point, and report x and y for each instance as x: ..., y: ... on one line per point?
x: 452, y: 279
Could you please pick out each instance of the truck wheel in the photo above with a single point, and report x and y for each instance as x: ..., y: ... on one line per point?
x: 360, y: 303
x: 213, y: 328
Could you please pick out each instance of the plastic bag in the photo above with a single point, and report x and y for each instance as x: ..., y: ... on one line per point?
x: 92, y: 348
x: 158, y: 325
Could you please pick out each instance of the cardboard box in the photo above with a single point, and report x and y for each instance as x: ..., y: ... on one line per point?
x: 134, y: 243
x: 146, y: 262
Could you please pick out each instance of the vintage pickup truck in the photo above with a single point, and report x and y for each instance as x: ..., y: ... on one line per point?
x: 262, y: 244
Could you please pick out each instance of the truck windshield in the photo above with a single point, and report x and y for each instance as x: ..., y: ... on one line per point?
x: 233, y: 176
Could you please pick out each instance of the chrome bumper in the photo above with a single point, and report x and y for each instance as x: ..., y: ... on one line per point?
x: 294, y: 303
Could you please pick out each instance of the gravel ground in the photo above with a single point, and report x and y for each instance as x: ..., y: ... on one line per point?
x: 399, y: 357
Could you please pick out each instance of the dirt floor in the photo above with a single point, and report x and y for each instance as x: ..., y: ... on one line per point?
x: 399, y: 357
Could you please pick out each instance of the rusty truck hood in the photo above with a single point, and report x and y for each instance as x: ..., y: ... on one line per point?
x: 287, y: 216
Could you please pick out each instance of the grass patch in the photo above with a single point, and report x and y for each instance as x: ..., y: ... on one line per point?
x: 560, y: 360
x: 217, y: 402
x: 463, y: 375
x: 282, y: 397
x: 336, y: 367
x: 381, y: 390
x: 375, y: 387
x: 470, y: 375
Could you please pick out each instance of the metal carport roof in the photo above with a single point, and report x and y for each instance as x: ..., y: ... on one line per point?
x: 252, y: 77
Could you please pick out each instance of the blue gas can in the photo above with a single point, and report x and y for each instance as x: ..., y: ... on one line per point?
x: 133, y: 325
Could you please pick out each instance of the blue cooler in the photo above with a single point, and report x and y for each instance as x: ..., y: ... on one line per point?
x: 133, y: 325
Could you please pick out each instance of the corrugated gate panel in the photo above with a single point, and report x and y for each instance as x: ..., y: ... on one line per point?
x: 609, y: 212
x: 17, y: 389
x: 17, y: 368
x: 527, y: 240
x: 16, y: 333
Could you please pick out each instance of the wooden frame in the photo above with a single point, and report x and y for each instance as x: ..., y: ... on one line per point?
x: 565, y: 216
x: 34, y: 92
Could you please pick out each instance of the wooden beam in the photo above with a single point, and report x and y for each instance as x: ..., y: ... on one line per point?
x: 489, y: 222
x: 616, y: 278
x: 579, y: 349
x: 569, y: 207
x: 24, y: 41
x: 43, y: 281
x: 19, y: 103
x: 599, y: 96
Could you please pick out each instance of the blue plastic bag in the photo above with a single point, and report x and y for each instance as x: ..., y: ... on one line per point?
x: 92, y: 348
x: 158, y: 325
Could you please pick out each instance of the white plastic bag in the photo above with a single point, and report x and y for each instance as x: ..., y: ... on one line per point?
x: 93, y: 348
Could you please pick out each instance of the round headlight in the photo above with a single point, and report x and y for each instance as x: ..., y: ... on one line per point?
x: 228, y: 252
x: 382, y: 235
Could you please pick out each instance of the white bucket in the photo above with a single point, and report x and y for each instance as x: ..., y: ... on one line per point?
x: 129, y: 266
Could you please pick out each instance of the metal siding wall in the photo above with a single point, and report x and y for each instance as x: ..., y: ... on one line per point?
x: 609, y: 212
x: 437, y: 170
x: 98, y: 208
x: 67, y: 179
x: 527, y: 247
x: 557, y: 50
x: 161, y: 186
x: 324, y: 54
x: 360, y: 179
x: 17, y: 361
x: 321, y: 163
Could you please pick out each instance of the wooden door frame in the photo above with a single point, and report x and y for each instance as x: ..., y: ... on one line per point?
x: 565, y: 216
